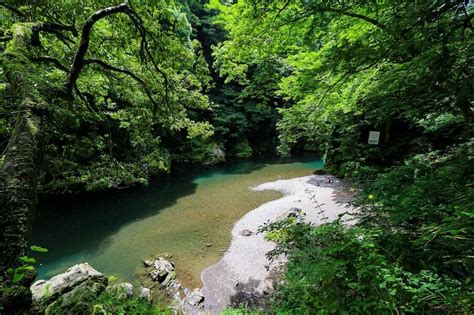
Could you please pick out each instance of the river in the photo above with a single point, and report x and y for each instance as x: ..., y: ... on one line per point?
x: 188, y: 215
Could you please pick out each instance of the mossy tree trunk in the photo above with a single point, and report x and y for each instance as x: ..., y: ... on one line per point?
x: 19, y: 169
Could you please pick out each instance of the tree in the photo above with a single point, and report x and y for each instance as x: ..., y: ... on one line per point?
x: 93, y: 99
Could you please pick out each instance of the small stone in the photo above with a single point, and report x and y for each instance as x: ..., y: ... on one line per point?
x: 145, y: 294
x: 195, y: 298
x: 126, y: 289
x: 208, y: 244
x: 148, y: 263
x: 236, y: 281
x: 246, y: 232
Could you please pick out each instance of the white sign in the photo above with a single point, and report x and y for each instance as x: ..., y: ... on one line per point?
x: 374, y: 137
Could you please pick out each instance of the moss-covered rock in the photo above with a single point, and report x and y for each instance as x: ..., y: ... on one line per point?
x: 214, y: 154
x: 80, y: 282
x: 78, y: 301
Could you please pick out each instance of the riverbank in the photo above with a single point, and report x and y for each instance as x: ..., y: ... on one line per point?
x: 244, y: 274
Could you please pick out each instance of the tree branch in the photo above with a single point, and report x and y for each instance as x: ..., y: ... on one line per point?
x: 124, y: 71
x: 52, y: 60
x: 12, y: 9
x: 54, y: 28
x: 364, y: 18
x: 78, y: 61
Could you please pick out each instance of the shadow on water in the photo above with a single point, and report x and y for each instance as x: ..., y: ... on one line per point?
x: 85, y: 220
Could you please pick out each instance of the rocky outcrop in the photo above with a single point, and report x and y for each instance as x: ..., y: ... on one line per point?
x: 77, y: 301
x: 80, y: 283
x: 162, y: 272
x: 193, y: 298
x: 214, y: 155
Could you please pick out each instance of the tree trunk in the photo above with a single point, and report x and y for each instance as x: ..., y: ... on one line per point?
x: 19, y: 168
x: 18, y: 190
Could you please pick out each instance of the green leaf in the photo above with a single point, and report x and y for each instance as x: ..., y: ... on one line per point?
x: 24, y: 268
x: 18, y: 276
x: 39, y: 249
x: 27, y: 260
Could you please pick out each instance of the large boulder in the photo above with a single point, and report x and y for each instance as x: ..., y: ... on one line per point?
x: 45, y: 292
x: 78, y: 301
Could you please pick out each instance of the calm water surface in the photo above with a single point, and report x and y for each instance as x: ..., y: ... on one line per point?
x: 179, y: 215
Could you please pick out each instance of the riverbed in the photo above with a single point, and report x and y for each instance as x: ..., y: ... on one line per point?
x: 188, y: 215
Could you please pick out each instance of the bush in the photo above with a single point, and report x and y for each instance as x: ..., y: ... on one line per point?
x: 333, y: 269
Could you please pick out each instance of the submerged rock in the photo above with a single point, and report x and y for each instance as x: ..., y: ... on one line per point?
x: 148, y: 263
x: 46, y: 292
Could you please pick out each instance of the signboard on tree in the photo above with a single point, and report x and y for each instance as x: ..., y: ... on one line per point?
x: 374, y: 137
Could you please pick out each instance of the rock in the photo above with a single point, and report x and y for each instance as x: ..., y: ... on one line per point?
x: 170, y: 277
x: 78, y: 301
x: 246, y: 232
x: 145, y: 294
x: 208, y: 244
x: 148, y: 263
x: 45, y: 292
x: 194, y: 298
x: 123, y: 290
x: 161, y: 270
x: 214, y: 155
x: 235, y: 280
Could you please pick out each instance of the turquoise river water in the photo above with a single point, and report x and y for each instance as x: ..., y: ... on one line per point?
x: 188, y: 215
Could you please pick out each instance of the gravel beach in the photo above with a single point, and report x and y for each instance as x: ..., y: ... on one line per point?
x: 244, y: 274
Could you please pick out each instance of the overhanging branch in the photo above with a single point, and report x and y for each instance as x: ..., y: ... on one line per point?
x: 124, y: 71
x: 12, y: 9
x: 53, y: 28
x: 51, y: 60
x: 146, y: 56
x: 78, y: 61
